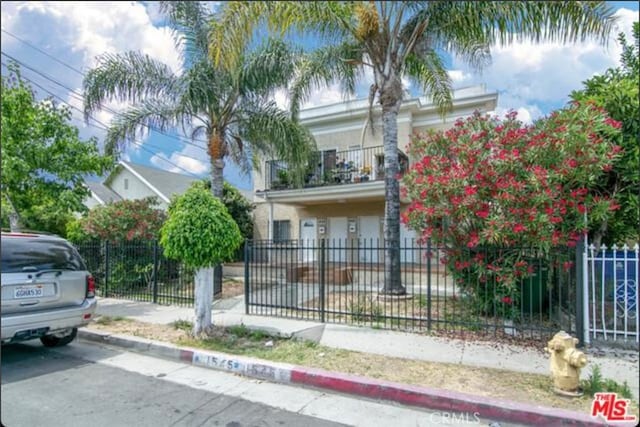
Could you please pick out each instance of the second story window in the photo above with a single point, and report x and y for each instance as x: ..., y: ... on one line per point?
x: 126, y: 184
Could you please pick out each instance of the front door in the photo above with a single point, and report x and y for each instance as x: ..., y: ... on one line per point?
x: 337, y: 239
x: 369, y: 238
x: 308, y: 236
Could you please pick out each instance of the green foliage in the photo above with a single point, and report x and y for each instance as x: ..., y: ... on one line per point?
x: 617, y: 92
x: 231, y: 108
x: 44, y: 161
x: 199, y: 231
x: 183, y: 325
x: 124, y: 220
x: 597, y: 384
x: 239, y: 208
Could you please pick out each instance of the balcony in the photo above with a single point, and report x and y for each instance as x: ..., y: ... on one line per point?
x: 332, y: 167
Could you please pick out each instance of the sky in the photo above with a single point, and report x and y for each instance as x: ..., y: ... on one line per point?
x: 58, y: 41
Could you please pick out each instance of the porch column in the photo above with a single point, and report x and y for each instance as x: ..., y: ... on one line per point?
x: 270, y: 227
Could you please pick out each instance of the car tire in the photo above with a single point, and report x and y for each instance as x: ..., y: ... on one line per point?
x: 56, y: 341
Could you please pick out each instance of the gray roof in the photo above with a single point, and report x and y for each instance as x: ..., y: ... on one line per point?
x: 170, y: 183
x: 103, y: 192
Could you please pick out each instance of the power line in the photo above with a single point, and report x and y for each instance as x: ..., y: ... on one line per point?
x: 108, y: 109
x: 104, y: 127
x: 43, y: 52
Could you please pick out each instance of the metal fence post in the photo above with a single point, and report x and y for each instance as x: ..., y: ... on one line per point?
x: 322, y: 279
x: 247, y: 287
x: 429, y: 284
x: 580, y: 247
x: 155, y: 271
x: 106, y: 268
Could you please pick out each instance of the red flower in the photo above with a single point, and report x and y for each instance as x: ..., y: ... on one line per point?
x: 519, y: 228
x: 613, y: 123
x: 482, y: 214
x: 470, y: 191
x: 507, y: 300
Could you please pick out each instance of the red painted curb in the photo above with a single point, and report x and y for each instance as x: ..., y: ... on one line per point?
x: 440, y: 399
x: 186, y: 355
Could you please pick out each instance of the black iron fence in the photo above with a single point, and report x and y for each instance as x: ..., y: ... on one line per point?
x: 518, y: 292
x: 138, y: 271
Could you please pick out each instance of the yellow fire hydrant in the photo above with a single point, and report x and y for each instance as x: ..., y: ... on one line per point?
x: 566, y: 362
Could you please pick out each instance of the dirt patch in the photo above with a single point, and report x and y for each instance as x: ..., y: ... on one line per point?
x: 231, y: 288
x: 139, y: 329
x: 495, y: 383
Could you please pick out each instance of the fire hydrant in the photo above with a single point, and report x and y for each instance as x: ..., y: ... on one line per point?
x: 566, y: 362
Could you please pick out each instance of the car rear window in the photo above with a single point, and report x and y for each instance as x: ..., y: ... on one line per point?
x: 40, y: 253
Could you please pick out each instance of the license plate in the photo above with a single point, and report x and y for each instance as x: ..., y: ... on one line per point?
x: 31, y: 291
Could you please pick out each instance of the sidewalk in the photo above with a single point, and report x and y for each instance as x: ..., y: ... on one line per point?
x: 619, y: 365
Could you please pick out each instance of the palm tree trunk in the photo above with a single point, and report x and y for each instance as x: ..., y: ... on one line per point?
x: 392, y: 275
x: 217, y: 185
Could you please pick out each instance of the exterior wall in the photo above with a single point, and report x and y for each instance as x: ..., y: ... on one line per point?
x: 294, y: 214
x: 136, y: 189
x: 90, y: 202
x: 340, y: 126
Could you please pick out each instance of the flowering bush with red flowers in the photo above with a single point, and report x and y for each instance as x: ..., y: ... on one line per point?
x: 491, y: 183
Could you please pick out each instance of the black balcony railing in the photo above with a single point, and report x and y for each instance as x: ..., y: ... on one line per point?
x: 332, y: 167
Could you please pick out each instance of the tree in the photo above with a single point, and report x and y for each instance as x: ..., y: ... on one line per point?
x: 123, y: 220
x: 230, y: 107
x: 44, y: 161
x: 499, y: 185
x: 617, y: 92
x: 201, y: 233
x: 403, y: 38
x: 239, y: 208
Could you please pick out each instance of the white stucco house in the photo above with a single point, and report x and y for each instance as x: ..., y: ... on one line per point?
x: 134, y: 181
x: 343, y: 195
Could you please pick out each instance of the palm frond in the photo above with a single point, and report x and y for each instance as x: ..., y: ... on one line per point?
x: 189, y: 21
x: 429, y: 72
x: 505, y: 22
x: 234, y: 27
x: 135, y: 122
x: 270, y: 67
x: 131, y: 77
x: 270, y: 132
x: 324, y: 66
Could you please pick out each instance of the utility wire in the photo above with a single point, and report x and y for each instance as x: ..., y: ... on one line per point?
x: 105, y: 128
x: 108, y: 109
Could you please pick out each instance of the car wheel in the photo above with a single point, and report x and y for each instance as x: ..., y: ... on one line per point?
x: 56, y: 340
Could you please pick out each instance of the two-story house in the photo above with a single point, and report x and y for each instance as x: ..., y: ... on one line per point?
x: 343, y: 193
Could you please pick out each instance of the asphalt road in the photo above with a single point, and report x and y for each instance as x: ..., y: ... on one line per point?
x: 43, y: 387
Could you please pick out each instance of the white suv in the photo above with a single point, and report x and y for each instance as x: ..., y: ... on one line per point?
x: 47, y: 292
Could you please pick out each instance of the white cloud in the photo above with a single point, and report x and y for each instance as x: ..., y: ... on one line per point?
x: 327, y: 95
x: 459, y: 76
x: 530, y: 75
x: 178, y: 164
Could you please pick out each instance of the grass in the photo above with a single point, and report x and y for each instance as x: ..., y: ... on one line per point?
x: 108, y: 320
x: 596, y: 384
x: 493, y: 383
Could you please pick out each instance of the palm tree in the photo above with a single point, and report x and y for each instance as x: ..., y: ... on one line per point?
x: 230, y: 107
x: 407, y: 38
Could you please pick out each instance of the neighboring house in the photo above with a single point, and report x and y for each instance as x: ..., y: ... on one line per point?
x: 133, y: 181
x: 343, y: 195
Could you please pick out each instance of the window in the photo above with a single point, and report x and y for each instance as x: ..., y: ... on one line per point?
x: 126, y: 184
x: 39, y: 253
x: 281, y: 231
